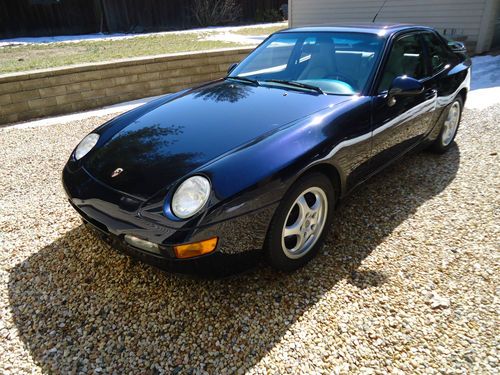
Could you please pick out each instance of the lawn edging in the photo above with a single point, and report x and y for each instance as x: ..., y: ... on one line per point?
x: 48, y: 92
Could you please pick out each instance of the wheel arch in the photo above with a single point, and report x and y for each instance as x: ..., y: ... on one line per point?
x: 463, y: 94
x: 331, y: 172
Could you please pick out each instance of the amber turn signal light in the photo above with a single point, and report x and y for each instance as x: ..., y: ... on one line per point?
x: 195, y: 249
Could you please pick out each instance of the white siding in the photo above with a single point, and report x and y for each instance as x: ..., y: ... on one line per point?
x: 458, y: 18
x: 488, y: 24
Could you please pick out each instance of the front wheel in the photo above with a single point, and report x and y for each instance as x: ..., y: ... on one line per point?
x: 300, y: 223
x: 449, y: 127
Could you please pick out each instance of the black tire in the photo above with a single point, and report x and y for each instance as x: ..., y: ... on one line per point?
x: 439, y: 146
x: 273, y: 249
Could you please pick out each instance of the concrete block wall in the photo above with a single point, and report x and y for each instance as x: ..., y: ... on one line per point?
x: 28, y: 95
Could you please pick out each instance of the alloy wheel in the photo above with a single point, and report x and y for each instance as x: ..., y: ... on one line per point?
x: 304, y: 222
x: 451, y: 124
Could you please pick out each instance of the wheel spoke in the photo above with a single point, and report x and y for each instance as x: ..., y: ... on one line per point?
x: 292, y: 230
x: 300, y: 242
x: 303, y: 207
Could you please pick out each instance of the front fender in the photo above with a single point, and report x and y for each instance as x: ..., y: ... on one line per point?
x: 260, y: 173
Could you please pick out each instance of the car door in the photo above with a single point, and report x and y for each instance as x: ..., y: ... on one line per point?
x: 444, y: 79
x: 399, y: 123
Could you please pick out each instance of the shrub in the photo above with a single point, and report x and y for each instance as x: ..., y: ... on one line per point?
x: 268, y: 15
x: 215, y: 12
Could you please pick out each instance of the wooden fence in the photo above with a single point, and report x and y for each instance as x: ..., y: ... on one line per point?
x: 63, y: 17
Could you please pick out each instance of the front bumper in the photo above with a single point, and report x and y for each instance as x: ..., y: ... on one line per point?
x: 216, y: 264
x: 113, y: 215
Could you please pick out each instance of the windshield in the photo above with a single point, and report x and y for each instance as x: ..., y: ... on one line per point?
x: 331, y: 62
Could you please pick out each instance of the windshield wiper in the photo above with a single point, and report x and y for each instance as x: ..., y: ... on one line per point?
x: 296, y: 84
x: 245, y: 79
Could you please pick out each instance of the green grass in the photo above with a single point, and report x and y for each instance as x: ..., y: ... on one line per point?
x: 260, y: 30
x: 21, y: 58
x: 30, y: 57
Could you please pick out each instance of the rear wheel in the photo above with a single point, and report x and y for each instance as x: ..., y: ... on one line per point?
x: 300, y: 223
x: 449, y: 127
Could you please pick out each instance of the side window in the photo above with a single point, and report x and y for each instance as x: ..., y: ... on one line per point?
x: 437, y: 52
x: 406, y: 58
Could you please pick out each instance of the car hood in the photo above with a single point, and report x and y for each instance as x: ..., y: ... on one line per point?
x: 172, y: 139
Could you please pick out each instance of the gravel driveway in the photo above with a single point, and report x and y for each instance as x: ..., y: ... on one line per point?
x: 406, y: 282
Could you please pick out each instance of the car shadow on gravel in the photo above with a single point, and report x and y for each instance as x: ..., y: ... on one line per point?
x: 80, y: 306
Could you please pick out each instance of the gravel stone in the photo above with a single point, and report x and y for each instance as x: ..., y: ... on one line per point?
x: 439, y: 301
x: 427, y: 228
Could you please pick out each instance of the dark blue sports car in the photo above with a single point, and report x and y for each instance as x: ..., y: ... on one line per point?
x: 260, y: 158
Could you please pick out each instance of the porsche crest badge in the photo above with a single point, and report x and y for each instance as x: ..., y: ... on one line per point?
x: 116, y: 172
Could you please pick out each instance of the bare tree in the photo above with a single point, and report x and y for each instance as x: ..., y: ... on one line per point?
x: 215, y: 12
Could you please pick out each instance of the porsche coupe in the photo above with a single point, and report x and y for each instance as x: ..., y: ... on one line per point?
x: 261, y: 158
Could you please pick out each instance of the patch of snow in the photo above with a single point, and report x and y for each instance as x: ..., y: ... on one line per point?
x: 485, y: 82
x: 485, y: 72
x: 63, y: 39
x: 483, y: 98
x: 236, y: 38
x: 118, y: 36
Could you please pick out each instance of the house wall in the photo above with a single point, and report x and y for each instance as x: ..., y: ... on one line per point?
x: 495, y: 43
x: 488, y: 25
x: 29, y: 95
x: 465, y: 20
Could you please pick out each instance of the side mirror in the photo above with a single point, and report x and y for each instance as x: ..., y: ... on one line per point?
x: 231, y: 67
x: 404, y: 86
x: 457, y: 47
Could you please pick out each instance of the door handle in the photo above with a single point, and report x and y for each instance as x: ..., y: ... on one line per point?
x: 429, y: 94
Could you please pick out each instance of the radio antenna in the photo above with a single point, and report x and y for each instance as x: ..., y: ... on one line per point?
x: 381, y: 7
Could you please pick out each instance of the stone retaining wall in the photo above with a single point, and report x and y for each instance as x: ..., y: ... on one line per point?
x: 29, y: 95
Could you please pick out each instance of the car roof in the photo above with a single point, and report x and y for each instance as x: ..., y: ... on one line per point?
x: 382, y: 29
